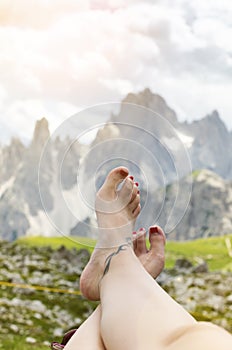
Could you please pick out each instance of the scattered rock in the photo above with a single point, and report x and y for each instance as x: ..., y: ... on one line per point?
x: 45, y: 316
x: 30, y: 340
x: 46, y: 343
x: 58, y: 332
x: 181, y: 264
x: 229, y: 299
x: 14, y: 328
x: 201, y: 268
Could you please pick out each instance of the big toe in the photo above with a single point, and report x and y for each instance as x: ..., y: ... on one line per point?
x: 157, y: 237
x: 157, y: 240
x: 108, y: 190
x: 115, y: 177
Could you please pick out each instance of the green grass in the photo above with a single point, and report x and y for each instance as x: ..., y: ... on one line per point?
x: 195, y: 173
x: 213, y: 249
x: 56, y: 242
x: 16, y: 342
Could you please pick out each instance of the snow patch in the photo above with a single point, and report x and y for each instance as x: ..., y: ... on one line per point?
x: 186, y: 139
x: 39, y: 224
x: 8, y: 184
x: 174, y: 143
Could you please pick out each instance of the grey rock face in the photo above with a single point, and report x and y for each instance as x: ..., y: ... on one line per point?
x: 212, y: 145
x: 208, y: 143
x: 20, y: 201
x: 209, y: 212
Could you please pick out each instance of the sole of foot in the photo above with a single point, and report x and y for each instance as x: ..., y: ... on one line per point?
x: 116, y: 212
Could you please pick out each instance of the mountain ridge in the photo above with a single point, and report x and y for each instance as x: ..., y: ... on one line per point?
x: 207, y: 140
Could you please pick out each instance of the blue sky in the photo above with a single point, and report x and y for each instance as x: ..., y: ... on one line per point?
x: 60, y: 56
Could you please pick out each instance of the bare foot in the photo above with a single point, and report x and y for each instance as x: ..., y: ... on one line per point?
x: 152, y: 259
x: 116, y: 210
x: 116, y: 213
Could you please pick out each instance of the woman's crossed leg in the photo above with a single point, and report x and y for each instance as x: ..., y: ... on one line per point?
x: 136, y: 312
x: 88, y: 335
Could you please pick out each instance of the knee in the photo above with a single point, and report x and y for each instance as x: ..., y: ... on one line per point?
x: 202, y: 335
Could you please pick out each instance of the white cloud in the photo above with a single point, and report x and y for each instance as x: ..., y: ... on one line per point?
x: 37, y: 14
x: 60, y: 55
x: 214, y: 32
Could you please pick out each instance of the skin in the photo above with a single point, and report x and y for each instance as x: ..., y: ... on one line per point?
x: 135, y: 312
x: 88, y: 335
x: 152, y: 259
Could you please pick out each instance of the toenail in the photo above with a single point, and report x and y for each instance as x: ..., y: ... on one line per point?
x: 123, y: 172
x: 136, y: 184
x: 154, y: 230
x: 131, y: 177
x: 134, y: 232
x: 138, y: 192
x: 142, y: 229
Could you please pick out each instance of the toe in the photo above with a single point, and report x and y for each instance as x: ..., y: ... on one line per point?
x: 134, y: 193
x: 156, y: 235
x: 115, y: 177
x: 140, y: 242
x: 136, y: 212
x: 108, y: 191
x: 156, y: 251
x: 134, y: 204
x: 134, y: 241
x: 127, y: 190
x: 157, y: 243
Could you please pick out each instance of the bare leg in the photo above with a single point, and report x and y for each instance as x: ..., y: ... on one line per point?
x: 145, y: 317
x: 88, y: 336
x: 136, y: 312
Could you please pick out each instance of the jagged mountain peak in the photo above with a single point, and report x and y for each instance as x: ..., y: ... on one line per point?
x: 41, y: 133
x: 145, y: 95
x: 153, y: 101
x: 215, y: 115
x: 207, y: 141
x: 215, y: 119
x: 212, y: 120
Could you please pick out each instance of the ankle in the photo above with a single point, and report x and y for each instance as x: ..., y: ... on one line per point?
x: 112, y: 238
x: 118, y: 257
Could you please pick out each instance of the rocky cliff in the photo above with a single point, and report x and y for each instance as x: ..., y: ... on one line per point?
x: 207, y: 141
x: 21, y: 209
x: 209, y: 212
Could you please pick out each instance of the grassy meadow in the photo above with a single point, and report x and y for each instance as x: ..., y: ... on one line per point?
x: 213, y: 250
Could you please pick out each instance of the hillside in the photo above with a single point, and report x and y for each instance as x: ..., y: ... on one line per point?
x: 39, y: 287
x: 213, y: 250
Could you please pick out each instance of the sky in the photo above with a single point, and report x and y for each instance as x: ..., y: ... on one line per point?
x: 60, y: 56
